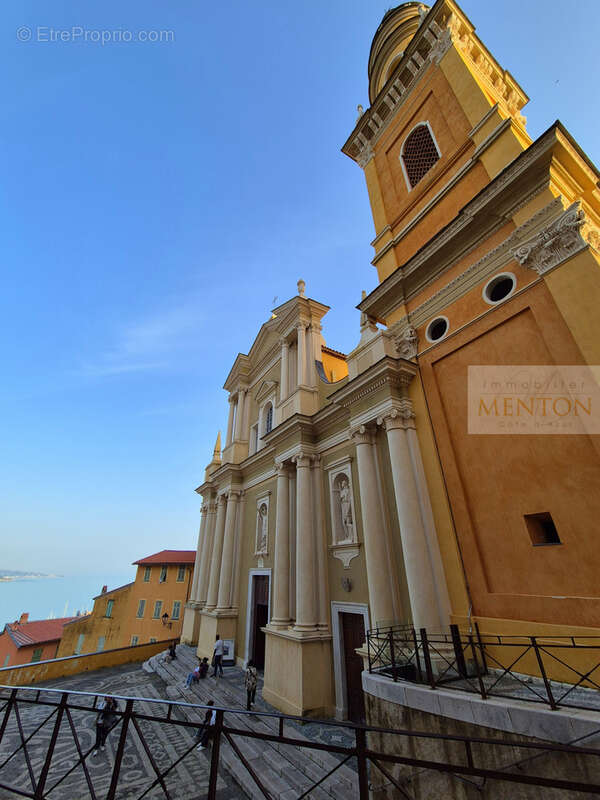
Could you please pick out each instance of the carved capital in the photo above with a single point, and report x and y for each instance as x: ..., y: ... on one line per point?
x: 560, y: 240
x: 282, y: 468
x: 398, y: 418
x: 302, y: 460
x: 361, y: 435
x: 315, y: 461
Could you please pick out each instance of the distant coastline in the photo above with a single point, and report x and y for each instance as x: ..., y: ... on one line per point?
x: 9, y: 575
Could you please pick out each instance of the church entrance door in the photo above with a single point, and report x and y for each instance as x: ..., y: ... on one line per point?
x: 353, y: 634
x: 260, y: 617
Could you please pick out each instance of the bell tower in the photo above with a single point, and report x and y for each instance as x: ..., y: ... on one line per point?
x: 445, y: 118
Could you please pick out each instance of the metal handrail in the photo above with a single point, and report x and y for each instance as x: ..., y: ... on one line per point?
x: 127, y: 726
x: 471, y: 662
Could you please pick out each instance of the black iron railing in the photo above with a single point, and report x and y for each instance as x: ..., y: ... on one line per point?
x: 560, y: 671
x: 57, y: 738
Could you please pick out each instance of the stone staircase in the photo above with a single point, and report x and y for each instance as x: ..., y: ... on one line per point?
x: 285, y: 771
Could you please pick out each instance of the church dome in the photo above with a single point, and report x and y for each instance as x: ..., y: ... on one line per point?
x: 391, y: 39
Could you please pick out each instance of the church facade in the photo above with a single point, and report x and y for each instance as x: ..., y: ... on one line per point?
x: 386, y: 485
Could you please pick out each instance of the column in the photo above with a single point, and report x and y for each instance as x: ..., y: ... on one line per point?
x: 284, y: 382
x: 215, y: 562
x: 280, y: 618
x: 314, y: 353
x: 202, y: 589
x: 198, y: 562
x: 224, y: 595
x: 417, y: 563
x: 321, y: 546
x: 305, y: 577
x: 239, y: 415
x: 229, y: 423
x: 376, y: 557
x: 301, y: 354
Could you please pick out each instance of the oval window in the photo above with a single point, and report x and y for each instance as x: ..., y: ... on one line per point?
x: 499, y: 288
x: 437, y: 329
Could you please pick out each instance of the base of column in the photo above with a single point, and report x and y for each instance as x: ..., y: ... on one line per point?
x: 279, y: 624
x: 299, y: 673
x: 191, y: 624
x: 212, y: 624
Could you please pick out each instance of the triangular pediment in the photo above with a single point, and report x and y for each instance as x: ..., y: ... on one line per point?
x: 265, y: 390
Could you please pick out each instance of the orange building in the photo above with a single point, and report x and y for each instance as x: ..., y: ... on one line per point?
x: 149, y: 609
x: 25, y: 642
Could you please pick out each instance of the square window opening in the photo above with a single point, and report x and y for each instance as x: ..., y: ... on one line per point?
x: 541, y: 529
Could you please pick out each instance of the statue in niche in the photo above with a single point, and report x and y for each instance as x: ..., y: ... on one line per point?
x: 346, y: 510
x: 262, y: 531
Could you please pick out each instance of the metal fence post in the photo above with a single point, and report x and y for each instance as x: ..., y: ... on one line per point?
x: 482, y: 690
x: 393, y: 656
x: 417, y: 659
x: 41, y: 784
x: 112, y: 792
x: 538, y: 655
x: 481, y: 650
x: 427, y: 658
x: 461, y: 667
x: 214, y: 760
x: 361, y: 757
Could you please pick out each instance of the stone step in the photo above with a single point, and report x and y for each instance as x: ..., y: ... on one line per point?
x: 288, y: 770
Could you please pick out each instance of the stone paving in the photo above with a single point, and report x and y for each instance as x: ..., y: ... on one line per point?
x: 286, y: 771
x: 166, y: 743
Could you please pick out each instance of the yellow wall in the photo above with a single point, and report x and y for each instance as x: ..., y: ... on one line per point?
x: 124, y: 623
x: 29, y: 674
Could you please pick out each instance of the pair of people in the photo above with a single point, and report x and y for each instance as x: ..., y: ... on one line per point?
x: 106, y: 719
x: 198, y: 673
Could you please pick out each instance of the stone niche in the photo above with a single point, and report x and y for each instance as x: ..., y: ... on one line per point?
x: 261, y: 547
x: 344, y: 539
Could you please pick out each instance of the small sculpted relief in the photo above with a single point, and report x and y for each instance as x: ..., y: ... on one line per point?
x: 344, y: 532
x: 262, y: 530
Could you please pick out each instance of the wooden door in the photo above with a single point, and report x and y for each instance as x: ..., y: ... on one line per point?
x: 260, y: 617
x: 353, y: 632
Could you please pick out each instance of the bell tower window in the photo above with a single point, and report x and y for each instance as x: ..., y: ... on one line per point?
x: 419, y: 154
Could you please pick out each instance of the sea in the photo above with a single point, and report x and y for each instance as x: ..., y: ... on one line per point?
x: 64, y: 596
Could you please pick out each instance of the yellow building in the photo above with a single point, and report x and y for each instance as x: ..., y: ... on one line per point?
x: 149, y: 609
x: 387, y: 485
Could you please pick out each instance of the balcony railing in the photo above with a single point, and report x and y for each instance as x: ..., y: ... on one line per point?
x: 558, y: 671
x: 55, y: 754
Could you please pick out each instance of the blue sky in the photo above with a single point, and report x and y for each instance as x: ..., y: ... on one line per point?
x: 155, y: 198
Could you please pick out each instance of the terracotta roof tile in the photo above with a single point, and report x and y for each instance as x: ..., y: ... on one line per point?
x: 169, y: 557
x: 37, y: 631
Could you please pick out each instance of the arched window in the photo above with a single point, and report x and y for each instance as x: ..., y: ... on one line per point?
x: 268, y: 418
x: 419, y: 154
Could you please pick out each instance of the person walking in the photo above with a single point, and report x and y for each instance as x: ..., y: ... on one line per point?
x: 205, y: 733
x: 251, y: 679
x: 107, y: 716
x: 218, y: 656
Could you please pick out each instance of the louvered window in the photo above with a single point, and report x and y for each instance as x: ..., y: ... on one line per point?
x: 419, y: 154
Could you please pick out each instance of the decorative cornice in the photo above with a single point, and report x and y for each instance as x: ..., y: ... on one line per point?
x: 433, y: 40
x: 501, y: 253
x: 553, y: 245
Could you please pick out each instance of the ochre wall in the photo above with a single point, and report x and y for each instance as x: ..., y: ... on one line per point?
x: 494, y: 480
x: 23, y: 655
x: 73, y: 665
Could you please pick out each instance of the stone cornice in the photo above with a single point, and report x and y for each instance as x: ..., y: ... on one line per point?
x: 443, y: 27
x: 396, y: 374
